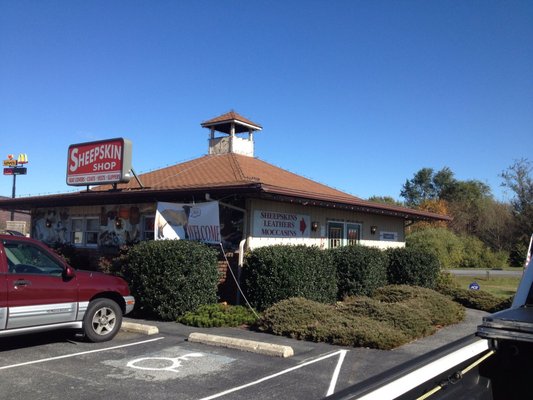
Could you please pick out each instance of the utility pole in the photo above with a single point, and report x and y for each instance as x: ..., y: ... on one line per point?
x: 14, y: 169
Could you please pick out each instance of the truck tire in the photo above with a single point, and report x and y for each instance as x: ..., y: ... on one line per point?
x: 102, y: 320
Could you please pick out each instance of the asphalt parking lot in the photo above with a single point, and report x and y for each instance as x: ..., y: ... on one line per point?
x: 168, y: 366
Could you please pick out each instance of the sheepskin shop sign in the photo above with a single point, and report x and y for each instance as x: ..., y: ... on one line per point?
x: 97, y: 163
x: 273, y: 224
x: 198, y: 221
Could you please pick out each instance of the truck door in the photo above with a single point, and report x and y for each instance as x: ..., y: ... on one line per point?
x: 37, y: 292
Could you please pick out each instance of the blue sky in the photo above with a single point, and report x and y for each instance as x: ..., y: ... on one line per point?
x: 358, y: 95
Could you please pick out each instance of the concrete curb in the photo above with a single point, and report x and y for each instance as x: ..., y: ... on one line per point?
x: 139, y: 328
x: 269, y: 349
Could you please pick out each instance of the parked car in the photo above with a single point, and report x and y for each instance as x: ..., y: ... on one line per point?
x: 39, y: 291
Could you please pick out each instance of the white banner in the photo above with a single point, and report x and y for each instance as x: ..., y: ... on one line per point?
x: 188, y: 221
x: 273, y: 224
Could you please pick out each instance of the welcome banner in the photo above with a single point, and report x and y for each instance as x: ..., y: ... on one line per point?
x: 198, y: 221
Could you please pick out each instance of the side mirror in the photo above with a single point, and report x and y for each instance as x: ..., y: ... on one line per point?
x: 69, y: 272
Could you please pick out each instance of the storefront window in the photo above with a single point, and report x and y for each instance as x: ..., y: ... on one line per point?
x: 85, y: 231
x: 93, y: 228
x: 77, y: 231
x: 335, y: 234
x: 343, y: 234
x: 148, y: 228
x: 352, y: 233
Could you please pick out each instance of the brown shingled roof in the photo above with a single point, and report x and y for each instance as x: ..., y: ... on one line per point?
x: 230, y: 170
x: 235, y: 170
x: 224, y: 174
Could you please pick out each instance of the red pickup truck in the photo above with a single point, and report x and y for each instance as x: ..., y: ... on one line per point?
x: 39, y: 291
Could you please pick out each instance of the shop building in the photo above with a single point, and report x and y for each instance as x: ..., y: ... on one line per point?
x: 259, y: 204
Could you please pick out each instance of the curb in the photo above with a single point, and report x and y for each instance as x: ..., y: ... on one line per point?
x: 268, y: 349
x: 139, y: 328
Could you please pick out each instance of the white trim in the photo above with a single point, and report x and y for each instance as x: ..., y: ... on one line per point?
x: 3, y: 318
x: 524, y: 287
x: 42, y: 360
x: 412, y: 380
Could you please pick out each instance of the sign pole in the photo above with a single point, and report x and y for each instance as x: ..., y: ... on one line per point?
x: 13, y: 169
x: 13, y: 195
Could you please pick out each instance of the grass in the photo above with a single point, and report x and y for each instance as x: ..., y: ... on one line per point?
x: 499, y: 286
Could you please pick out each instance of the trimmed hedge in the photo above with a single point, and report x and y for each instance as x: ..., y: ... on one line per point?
x: 395, y: 316
x: 305, y: 319
x: 275, y: 273
x: 437, y: 307
x: 170, y: 277
x: 412, y: 322
x: 360, y: 270
x: 477, y: 299
x: 412, y: 266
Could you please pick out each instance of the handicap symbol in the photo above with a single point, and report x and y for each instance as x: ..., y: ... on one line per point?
x: 173, y: 363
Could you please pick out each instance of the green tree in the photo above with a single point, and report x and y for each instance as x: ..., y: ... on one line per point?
x: 420, y: 188
x: 496, y: 226
x: 518, y: 178
x: 464, y: 200
x: 385, y: 200
x: 447, y: 246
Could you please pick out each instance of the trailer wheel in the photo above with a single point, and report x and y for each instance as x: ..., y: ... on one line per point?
x: 102, y: 320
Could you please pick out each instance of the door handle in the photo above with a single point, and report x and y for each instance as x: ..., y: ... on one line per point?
x: 21, y: 282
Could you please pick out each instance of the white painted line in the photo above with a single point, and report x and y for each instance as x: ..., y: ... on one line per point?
x: 78, y: 354
x: 336, y: 373
x: 340, y: 353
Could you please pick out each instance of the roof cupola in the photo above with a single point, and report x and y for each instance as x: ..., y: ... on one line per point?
x: 238, y: 134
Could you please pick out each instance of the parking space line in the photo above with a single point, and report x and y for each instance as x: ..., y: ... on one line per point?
x: 336, y: 373
x: 78, y: 354
x: 340, y: 353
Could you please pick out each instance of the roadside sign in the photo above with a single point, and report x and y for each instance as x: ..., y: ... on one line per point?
x: 10, y: 163
x: 15, y: 171
x: 474, y: 286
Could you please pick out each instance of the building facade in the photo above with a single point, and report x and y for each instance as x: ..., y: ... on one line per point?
x: 259, y: 204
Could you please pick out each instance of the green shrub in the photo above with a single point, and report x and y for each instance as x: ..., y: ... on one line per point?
x: 477, y: 299
x: 360, y: 270
x: 440, y: 309
x: 275, y: 273
x: 170, y: 277
x: 397, y: 315
x: 412, y: 266
x: 473, y: 252
x: 477, y: 255
x: 412, y: 322
x: 211, y: 315
x: 304, y: 319
x: 445, y: 281
x: 443, y: 243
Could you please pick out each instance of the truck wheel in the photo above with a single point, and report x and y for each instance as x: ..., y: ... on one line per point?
x: 102, y: 320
